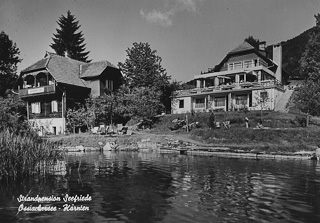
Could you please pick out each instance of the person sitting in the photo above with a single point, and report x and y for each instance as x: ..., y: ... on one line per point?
x: 259, y: 125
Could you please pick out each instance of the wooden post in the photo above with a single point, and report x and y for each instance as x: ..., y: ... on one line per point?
x: 187, y: 123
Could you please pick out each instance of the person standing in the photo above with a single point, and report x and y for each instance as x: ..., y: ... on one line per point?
x: 212, y: 121
x: 247, y: 122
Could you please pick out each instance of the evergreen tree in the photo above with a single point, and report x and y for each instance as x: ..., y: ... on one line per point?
x: 143, y: 67
x: 307, y: 96
x: 9, y: 58
x: 67, y: 41
x: 254, y: 42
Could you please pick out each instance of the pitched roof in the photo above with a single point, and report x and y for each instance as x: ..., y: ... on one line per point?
x: 242, y: 47
x: 41, y: 64
x: 94, y: 69
x: 65, y: 70
x: 69, y: 71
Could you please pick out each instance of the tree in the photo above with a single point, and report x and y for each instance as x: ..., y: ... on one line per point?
x: 9, y: 58
x: 13, y: 115
x: 254, y: 42
x: 142, y: 103
x: 307, y: 96
x: 67, y: 41
x: 143, y: 67
x: 262, y: 100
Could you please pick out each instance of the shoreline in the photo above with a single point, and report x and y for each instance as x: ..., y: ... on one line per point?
x: 183, y: 144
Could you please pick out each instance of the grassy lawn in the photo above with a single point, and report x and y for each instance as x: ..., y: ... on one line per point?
x: 285, y: 133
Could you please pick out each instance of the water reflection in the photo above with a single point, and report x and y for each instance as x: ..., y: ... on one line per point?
x: 153, y: 187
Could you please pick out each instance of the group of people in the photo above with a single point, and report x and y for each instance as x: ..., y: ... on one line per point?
x: 212, y: 122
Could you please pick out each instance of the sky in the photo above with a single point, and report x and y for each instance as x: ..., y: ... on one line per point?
x: 189, y: 35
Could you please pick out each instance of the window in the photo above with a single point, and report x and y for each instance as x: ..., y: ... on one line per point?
x: 219, y: 102
x: 237, y: 65
x: 241, y: 78
x: 181, y: 103
x: 54, y: 106
x: 263, y: 96
x: 241, y: 100
x: 199, y: 103
x: 230, y: 66
x: 36, y: 108
x: 109, y: 84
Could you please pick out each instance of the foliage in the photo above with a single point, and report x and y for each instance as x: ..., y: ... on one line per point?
x: 21, y: 154
x: 13, y: 115
x: 9, y: 58
x: 78, y: 118
x: 307, y: 98
x: 66, y: 40
x: 252, y: 41
x: 308, y: 94
x: 262, y: 99
x: 142, y: 68
x: 144, y: 103
x: 292, y: 51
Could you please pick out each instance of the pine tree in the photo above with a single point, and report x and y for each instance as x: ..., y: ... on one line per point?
x: 254, y: 42
x: 67, y: 41
x: 143, y: 67
x: 9, y: 58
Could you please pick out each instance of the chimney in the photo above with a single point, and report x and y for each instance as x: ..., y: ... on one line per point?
x: 66, y: 54
x: 262, y: 46
x: 277, y: 58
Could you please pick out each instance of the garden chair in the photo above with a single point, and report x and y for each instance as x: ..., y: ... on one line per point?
x: 226, y: 124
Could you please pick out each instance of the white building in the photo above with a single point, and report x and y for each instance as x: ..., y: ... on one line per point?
x: 247, y: 78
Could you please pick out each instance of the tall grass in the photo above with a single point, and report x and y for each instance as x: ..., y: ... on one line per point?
x: 20, y: 155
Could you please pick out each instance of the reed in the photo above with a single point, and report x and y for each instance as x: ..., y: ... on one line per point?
x: 20, y: 155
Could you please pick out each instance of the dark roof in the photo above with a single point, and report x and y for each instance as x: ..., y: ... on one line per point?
x: 65, y: 70
x: 242, y: 47
x: 94, y: 69
x: 41, y: 64
x: 68, y: 71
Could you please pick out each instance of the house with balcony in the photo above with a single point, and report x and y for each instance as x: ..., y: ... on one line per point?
x: 55, y: 83
x: 247, y: 78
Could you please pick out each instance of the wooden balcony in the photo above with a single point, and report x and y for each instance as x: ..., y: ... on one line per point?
x: 43, y: 90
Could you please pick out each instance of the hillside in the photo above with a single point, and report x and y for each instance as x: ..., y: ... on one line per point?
x: 292, y: 51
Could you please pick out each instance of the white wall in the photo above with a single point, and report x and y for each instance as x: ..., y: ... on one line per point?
x: 269, y: 105
x: 186, y: 108
x: 48, y: 124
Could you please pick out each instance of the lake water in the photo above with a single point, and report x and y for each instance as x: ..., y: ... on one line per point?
x: 153, y: 187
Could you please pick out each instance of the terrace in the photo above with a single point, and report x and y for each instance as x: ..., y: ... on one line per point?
x: 230, y: 87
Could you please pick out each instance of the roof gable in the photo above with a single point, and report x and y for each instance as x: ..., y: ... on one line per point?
x: 242, y: 47
x: 65, y: 70
x: 41, y: 64
x: 94, y: 69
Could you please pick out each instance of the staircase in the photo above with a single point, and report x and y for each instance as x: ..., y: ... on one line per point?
x: 281, y: 106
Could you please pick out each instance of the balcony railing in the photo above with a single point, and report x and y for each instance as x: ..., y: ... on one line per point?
x: 235, y: 86
x: 49, y: 89
x: 243, y: 65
